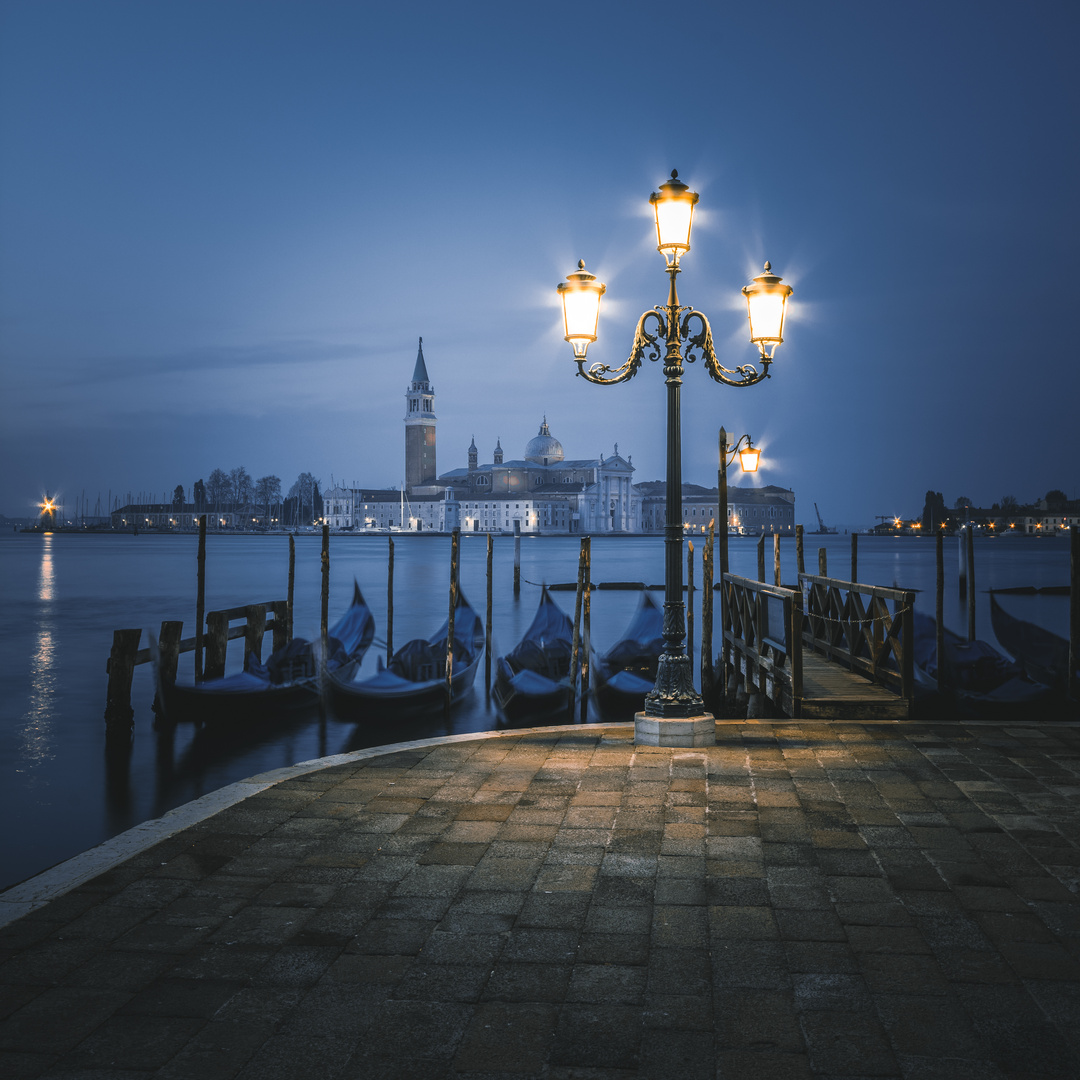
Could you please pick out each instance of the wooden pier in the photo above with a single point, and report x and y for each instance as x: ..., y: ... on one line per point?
x: 847, y: 656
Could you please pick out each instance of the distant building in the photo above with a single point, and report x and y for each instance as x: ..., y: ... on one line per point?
x: 752, y: 511
x: 541, y: 492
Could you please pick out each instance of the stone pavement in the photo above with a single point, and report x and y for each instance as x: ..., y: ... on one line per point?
x: 802, y: 900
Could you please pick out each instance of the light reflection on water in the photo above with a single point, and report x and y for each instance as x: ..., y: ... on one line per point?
x: 37, y: 735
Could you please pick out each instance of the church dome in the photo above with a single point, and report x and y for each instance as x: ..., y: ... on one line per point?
x: 545, y: 449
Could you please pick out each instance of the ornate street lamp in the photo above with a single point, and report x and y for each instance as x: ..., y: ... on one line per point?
x: 674, y: 698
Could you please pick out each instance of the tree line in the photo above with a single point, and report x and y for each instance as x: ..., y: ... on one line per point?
x: 936, y: 514
x: 236, y: 492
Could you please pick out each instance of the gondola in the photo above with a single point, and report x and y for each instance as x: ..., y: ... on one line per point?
x: 627, y: 671
x: 981, y: 682
x: 1041, y: 654
x: 533, y: 679
x: 287, y: 682
x: 415, y: 679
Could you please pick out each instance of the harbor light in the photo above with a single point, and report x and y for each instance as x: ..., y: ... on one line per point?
x: 766, y: 301
x: 581, y: 294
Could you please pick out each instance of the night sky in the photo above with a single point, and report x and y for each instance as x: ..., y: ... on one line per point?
x: 224, y: 225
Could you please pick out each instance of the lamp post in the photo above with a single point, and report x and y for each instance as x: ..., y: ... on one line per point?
x: 674, y: 712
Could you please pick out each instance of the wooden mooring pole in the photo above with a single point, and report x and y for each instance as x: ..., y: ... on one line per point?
x: 854, y: 556
x: 970, y: 548
x: 121, y: 668
x: 1074, y: 612
x: 292, y: 582
x: 390, y: 603
x: 575, y: 637
x: 586, y: 619
x: 487, y: 622
x: 707, y: 681
x: 517, y: 558
x: 800, y: 561
x: 722, y: 556
x: 690, y: 601
x: 168, y: 659
x: 761, y: 558
x: 822, y: 562
x: 324, y: 615
x: 961, y: 557
x: 776, y: 560
x: 455, y: 555
x: 939, y: 614
x: 200, y: 599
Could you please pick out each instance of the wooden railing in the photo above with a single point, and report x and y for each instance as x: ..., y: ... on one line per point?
x: 855, y: 626
x: 763, y: 638
x: 126, y: 654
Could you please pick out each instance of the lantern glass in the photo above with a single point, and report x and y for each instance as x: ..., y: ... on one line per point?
x: 766, y: 299
x: 581, y: 294
x: 674, y: 209
x: 748, y: 458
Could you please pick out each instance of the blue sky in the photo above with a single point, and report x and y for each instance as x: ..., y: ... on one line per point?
x: 226, y: 224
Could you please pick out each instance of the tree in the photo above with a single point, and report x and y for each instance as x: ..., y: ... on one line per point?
x: 218, y: 489
x: 305, y: 491
x: 934, y: 513
x: 1009, y: 504
x: 178, y: 497
x: 198, y: 495
x: 962, y: 503
x: 1056, y: 498
x: 240, y: 484
x: 268, y: 494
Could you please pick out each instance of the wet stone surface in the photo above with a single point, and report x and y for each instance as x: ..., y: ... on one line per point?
x: 801, y: 900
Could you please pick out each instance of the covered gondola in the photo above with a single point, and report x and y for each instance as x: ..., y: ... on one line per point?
x: 627, y: 671
x: 287, y: 682
x: 980, y: 680
x: 415, y: 679
x: 1042, y: 654
x: 534, y: 678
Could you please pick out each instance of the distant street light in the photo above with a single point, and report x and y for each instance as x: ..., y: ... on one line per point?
x: 674, y: 698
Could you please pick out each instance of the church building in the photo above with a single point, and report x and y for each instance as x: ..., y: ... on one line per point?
x: 541, y: 492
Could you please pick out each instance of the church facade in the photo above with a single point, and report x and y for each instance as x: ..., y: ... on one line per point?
x: 543, y: 491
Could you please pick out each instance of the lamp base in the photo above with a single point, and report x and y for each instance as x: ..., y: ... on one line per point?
x: 692, y: 731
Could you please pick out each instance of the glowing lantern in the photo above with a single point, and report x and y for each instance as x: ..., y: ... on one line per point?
x: 766, y: 299
x: 581, y: 294
x: 673, y: 205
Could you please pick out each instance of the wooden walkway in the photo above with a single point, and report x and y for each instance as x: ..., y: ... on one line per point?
x: 828, y: 650
x: 831, y: 692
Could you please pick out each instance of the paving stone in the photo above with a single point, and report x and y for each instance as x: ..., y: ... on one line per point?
x: 848, y: 1043
x: 755, y: 1065
x: 764, y: 1021
x: 600, y: 1036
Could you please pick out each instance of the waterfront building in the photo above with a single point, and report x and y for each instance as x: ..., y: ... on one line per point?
x: 751, y: 511
x: 545, y: 491
x: 171, y: 516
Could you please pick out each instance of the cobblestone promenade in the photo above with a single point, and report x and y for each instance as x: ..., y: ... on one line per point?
x: 803, y: 900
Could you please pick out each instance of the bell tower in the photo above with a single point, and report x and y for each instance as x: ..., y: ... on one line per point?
x: 419, y: 426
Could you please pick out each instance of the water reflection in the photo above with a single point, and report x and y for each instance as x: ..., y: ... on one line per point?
x: 37, y: 738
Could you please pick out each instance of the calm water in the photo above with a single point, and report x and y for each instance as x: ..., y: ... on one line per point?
x: 65, y: 594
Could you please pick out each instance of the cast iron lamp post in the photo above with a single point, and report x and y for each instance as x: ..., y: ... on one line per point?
x: 674, y: 698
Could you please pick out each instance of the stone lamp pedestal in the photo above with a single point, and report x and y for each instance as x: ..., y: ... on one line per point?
x: 692, y: 731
